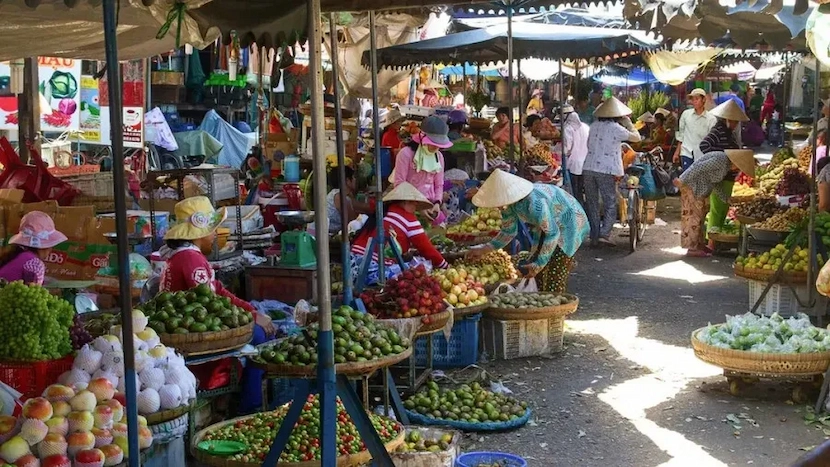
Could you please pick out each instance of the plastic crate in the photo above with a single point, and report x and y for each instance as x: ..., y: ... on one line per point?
x: 522, y: 338
x: 460, y: 351
x: 282, y: 392
x: 31, y: 378
x: 780, y: 299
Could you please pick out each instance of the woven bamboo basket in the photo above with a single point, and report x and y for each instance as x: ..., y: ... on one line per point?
x: 724, y: 238
x: 166, y: 415
x: 348, y: 369
x: 761, y: 363
x: 436, y: 323
x: 489, y: 288
x: 203, y: 343
x: 764, y: 275
x: 476, y: 123
x: 352, y: 460
x: 516, y: 314
x: 458, y: 313
x: 746, y: 220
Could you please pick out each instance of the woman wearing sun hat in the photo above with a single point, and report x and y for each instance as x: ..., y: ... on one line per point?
x: 556, y: 220
x: 604, y: 167
x: 421, y: 164
x: 703, y: 178
x: 401, y: 226
x: 34, y: 241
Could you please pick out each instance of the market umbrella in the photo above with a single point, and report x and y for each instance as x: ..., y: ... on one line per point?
x: 489, y: 45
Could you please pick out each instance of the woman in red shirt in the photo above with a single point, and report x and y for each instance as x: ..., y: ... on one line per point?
x: 391, y: 129
x: 401, y: 225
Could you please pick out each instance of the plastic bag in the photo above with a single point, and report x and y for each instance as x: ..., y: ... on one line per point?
x: 10, y: 403
x: 649, y: 190
x: 823, y: 280
x: 527, y: 285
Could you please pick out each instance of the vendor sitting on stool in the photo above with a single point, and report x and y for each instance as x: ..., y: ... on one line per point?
x: 401, y: 226
x: 32, y: 245
x: 187, y: 267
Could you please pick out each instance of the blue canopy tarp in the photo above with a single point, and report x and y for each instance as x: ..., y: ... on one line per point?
x: 457, y: 70
x: 634, y: 77
x: 235, y: 144
x: 530, y: 40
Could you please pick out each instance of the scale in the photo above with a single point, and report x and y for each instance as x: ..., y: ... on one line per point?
x: 297, y: 247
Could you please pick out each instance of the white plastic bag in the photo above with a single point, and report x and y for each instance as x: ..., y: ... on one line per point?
x: 527, y: 285
x: 9, y: 400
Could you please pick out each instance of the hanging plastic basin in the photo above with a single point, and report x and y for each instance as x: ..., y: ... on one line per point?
x: 474, y: 459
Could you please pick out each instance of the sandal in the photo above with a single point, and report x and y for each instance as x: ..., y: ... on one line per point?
x: 698, y: 254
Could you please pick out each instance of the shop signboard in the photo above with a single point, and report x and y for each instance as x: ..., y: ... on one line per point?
x: 59, y: 82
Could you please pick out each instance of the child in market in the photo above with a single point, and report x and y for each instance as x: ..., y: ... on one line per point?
x: 32, y: 244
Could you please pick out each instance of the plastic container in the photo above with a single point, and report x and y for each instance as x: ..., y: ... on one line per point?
x: 780, y: 299
x: 527, y: 338
x: 474, y: 459
x: 291, y: 169
x: 385, y: 162
x: 31, y: 378
x: 459, y: 352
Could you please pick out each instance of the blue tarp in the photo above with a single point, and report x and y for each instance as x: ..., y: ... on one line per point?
x: 471, y: 71
x: 234, y: 142
x: 636, y: 77
x: 530, y: 40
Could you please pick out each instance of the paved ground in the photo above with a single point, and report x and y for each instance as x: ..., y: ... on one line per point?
x: 628, y: 390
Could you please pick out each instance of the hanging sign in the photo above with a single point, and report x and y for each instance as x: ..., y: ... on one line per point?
x: 59, y: 85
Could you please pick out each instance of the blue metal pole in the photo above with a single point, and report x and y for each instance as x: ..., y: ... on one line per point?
x: 373, y: 55
x: 348, y: 297
x: 325, y: 340
x: 125, y: 296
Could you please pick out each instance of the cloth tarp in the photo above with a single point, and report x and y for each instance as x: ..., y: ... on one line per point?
x: 235, y: 144
x: 635, y: 77
x: 198, y: 143
x: 673, y: 68
x: 391, y: 29
x: 818, y: 34
x: 489, y: 45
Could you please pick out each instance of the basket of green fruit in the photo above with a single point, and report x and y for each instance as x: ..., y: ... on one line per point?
x: 361, y: 346
x: 427, y: 446
x: 198, y: 322
x: 531, y: 305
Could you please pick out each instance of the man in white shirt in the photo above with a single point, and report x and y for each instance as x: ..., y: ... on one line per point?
x: 694, y: 125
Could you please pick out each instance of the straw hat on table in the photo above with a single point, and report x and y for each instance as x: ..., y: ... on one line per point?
x: 730, y: 110
x: 744, y: 159
x: 646, y: 117
x: 612, y: 108
x: 406, y: 192
x: 502, y: 189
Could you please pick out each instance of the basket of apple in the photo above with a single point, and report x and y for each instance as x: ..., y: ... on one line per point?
x: 462, y: 289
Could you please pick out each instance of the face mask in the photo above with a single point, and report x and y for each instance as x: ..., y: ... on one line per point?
x: 426, y: 161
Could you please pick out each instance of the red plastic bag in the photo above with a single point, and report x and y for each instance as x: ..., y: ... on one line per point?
x: 35, y: 180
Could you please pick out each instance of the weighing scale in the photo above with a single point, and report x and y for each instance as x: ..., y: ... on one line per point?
x: 297, y: 247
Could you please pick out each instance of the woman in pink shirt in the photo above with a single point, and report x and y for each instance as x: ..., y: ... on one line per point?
x: 421, y: 164
x: 33, y: 243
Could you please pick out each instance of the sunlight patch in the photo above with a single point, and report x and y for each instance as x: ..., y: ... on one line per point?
x: 675, y: 250
x: 680, y: 270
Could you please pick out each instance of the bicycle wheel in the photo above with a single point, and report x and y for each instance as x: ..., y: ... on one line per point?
x: 633, y: 219
x: 642, y: 223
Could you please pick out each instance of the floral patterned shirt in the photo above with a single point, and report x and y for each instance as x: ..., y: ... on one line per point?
x: 604, y: 142
x: 555, y: 218
x: 705, y: 175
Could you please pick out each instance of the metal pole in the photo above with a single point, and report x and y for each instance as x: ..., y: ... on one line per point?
x: 341, y: 163
x: 511, y: 144
x: 464, y: 83
x: 125, y: 296
x: 379, y: 234
x: 811, y: 244
x: 325, y: 339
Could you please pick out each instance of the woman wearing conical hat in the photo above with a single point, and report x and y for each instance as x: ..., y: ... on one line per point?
x: 720, y: 138
x: 556, y: 220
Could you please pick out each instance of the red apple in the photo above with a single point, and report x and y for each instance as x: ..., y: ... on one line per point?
x: 58, y: 392
x: 27, y: 461
x: 39, y: 408
x: 120, y: 397
x: 114, y: 454
x: 89, y: 458
x: 57, y: 460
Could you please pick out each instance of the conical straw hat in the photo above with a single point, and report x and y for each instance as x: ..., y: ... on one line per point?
x: 502, y: 189
x: 744, y: 159
x: 612, y: 108
x: 406, y: 192
x: 646, y: 118
x: 663, y: 112
x: 729, y: 110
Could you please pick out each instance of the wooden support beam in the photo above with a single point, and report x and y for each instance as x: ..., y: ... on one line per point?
x: 28, y: 113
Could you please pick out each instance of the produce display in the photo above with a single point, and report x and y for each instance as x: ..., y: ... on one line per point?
x: 82, y: 426
x: 78, y: 333
x: 101, y: 324
x: 357, y: 338
x: 469, y: 403
x: 483, y: 220
x: 772, y: 259
x: 498, y: 154
x: 760, y: 208
x: 257, y: 433
x: 742, y: 190
x: 783, y: 221
x: 539, y: 154
x: 499, y: 262
x: 464, y: 288
x: 730, y: 227
x: 411, y: 294
x: 522, y: 300
x: 194, y: 311
x: 772, y: 334
x: 163, y: 380
x: 782, y: 155
x: 768, y: 182
x: 448, y: 247
x: 36, y: 324
x: 416, y: 441
x: 805, y: 157
x: 823, y: 226
x: 793, y: 182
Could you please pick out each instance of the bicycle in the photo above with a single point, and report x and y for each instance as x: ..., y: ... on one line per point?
x: 635, y: 216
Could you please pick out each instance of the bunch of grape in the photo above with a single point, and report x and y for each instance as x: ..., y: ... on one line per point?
x: 78, y: 333
x: 794, y: 182
x: 35, y: 323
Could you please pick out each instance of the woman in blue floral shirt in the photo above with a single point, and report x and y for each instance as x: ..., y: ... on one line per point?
x: 556, y: 220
